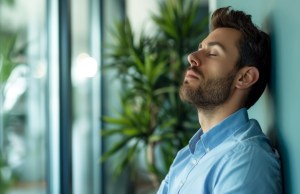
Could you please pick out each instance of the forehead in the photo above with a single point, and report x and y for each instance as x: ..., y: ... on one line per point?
x: 227, y: 37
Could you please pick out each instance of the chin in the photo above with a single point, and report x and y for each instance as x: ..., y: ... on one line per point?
x: 189, y: 85
x: 185, y: 92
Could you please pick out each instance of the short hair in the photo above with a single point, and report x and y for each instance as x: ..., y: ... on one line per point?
x: 254, y: 47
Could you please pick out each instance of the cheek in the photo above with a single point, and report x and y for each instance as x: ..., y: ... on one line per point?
x: 217, y: 70
x: 223, y: 68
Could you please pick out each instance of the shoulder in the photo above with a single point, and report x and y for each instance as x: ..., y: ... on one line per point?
x: 253, y: 154
x: 255, y: 149
x: 250, y: 140
x: 250, y: 166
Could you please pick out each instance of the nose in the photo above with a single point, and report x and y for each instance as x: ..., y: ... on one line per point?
x: 193, y: 59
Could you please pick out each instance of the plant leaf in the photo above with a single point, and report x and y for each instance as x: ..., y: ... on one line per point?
x: 116, y: 147
x: 127, y: 159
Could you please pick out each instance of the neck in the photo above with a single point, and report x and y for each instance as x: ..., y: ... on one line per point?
x: 208, y: 118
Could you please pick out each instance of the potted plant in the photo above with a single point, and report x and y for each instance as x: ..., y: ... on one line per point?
x: 152, y: 119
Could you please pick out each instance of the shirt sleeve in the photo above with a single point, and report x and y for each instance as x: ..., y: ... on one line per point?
x: 247, y: 171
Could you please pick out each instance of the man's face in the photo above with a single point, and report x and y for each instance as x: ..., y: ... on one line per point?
x: 208, y: 80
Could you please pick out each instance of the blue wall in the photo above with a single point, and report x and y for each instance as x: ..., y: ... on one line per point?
x: 279, y: 109
x: 286, y: 27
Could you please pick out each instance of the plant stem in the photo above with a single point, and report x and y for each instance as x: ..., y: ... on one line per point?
x: 151, y: 161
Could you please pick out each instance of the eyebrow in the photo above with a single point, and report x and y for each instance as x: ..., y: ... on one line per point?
x: 210, y: 44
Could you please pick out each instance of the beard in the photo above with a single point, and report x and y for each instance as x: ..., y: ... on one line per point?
x: 208, y: 94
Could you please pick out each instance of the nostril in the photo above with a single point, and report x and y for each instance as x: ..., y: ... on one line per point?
x: 192, y: 60
x: 194, y: 63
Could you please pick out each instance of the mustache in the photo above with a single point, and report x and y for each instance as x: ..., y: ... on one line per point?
x: 195, y: 70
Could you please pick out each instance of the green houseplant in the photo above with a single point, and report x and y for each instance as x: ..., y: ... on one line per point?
x: 7, y: 40
x: 152, y: 118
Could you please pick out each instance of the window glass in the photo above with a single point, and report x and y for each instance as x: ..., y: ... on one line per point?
x: 85, y: 34
x: 23, y: 79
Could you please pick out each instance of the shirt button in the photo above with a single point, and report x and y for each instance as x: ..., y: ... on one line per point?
x: 207, y: 149
x: 194, y: 161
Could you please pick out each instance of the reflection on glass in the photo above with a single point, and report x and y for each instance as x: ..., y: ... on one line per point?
x: 22, y: 97
x: 86, y: 100
x: 85, y: 67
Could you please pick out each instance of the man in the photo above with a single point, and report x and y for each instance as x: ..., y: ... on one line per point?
x: 227, y: 74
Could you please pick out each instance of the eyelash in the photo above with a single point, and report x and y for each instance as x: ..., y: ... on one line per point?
x: 211, y: 54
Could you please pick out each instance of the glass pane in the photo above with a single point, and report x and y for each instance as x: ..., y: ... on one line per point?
x: 86, y: 100
x: 22, y: 97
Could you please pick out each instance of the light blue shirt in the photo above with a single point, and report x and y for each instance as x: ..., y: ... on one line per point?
x: 234, y: 157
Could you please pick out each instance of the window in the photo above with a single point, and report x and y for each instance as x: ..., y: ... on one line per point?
x: 50, y: 97
x: 23, y: 66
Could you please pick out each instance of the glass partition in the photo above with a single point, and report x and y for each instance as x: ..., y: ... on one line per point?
x: 23, y: 68
x: 31, y: 138
x: 85, y: 57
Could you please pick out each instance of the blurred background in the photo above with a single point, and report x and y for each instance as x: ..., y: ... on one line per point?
x: 88, y: 91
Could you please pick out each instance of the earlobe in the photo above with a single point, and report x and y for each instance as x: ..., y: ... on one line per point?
x: 247, y: 77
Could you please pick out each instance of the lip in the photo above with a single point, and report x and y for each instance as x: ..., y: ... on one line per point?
x: 191, y: 74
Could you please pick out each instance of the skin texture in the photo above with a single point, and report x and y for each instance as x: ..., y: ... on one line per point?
x: 212, y: 82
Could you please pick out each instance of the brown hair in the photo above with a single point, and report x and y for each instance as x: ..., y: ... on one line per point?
x: 254, y: 47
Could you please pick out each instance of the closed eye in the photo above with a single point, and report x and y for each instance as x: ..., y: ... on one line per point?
x: 212, y: 54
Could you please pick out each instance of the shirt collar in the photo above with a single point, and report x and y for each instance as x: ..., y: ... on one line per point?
x: 220, y: 132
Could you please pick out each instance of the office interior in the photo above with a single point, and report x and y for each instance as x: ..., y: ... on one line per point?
x: 54, y: 92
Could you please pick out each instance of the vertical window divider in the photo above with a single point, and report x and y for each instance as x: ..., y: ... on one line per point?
x: 65, y: 97
x: 95, y: 23
x: 52, y: 99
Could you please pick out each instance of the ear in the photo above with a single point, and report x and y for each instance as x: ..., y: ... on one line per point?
x: 247, y: 76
